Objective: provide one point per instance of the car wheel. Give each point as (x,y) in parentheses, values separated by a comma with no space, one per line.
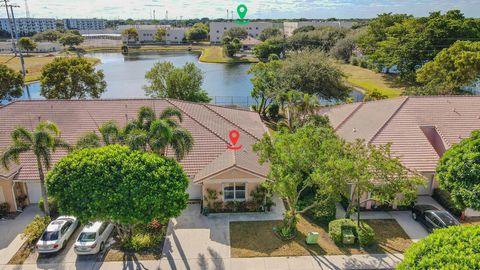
(64,244)
(414,216)
(102,246)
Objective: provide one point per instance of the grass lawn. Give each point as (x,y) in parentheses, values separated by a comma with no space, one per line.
(256,239)
(214,54)
(369,80)
(33,64)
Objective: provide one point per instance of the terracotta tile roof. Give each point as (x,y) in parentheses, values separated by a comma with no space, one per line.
(400,121)
(208,124)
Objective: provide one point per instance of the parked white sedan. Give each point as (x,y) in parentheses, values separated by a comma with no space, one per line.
(93,237)
(56,236)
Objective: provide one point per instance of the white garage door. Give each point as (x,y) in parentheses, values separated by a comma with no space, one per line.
(195,191)
(34,192)
(2,197)
(425,189)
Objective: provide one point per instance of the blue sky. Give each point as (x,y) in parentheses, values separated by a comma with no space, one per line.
(111,9)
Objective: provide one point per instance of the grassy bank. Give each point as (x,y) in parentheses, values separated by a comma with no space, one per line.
(35,63)
(209,54)
(215,54)
(369,80)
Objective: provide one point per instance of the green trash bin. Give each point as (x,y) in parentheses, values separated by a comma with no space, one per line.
(348,237)
(312,238)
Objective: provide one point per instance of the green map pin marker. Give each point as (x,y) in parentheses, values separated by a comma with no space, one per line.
(242,11)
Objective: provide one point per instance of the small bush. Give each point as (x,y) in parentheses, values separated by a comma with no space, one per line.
(443,197)
(34,230)
(354,61)
(365,234)
(335,228)
(4,208)
(53,206)
(142,241)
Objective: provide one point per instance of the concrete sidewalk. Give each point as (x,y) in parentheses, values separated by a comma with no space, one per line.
(377,261)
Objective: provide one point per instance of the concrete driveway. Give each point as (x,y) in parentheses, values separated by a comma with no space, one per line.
(10,230)
(194,241)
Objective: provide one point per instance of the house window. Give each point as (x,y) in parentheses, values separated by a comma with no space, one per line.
(234,191)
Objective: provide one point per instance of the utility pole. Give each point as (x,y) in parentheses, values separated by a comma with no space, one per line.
(14,46)
(27,11)
(15,40)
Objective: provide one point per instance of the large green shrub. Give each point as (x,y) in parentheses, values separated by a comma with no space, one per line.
(34,230)
(456,247)
(145,237)
(335,228)
(52,204)
(118,184)
(365,234)
(444,198)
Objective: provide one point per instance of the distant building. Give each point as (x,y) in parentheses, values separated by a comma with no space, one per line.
(249,42)
(146,33)
(254,29)
(289,27)
(84,24)
(29,26)
(42,47)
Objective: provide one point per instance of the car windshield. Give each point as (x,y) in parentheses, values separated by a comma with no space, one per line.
(87,237)
(447,218)
(49,236)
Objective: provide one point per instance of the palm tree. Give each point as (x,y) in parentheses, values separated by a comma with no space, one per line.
(44,140)
(149,133)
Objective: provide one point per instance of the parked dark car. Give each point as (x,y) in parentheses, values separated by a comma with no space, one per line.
(432,218)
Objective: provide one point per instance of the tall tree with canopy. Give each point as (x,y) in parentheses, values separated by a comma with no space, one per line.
(11,83)
(312,72)
(71,77)
(42,141)
(266,84)
(118,184)
(184,83)
(296,162)
(458,171)
(452,68)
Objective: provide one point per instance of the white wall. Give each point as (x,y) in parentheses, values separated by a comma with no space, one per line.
(253,28)
(34,192)
(195,191)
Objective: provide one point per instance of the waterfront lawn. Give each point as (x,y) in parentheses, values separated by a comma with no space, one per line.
(256,239)
(369,80)
(215,54)
(33,63)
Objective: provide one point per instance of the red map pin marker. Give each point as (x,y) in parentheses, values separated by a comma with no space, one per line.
(234,135)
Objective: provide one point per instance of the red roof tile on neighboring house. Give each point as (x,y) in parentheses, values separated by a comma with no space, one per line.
(208,124)
(400,122)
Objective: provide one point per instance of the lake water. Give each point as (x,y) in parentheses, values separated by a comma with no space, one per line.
(227,84)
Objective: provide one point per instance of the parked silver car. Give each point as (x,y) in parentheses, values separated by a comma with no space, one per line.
(93,237)
(56,236)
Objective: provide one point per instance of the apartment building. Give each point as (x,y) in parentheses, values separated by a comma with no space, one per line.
(289,27)
(253,28)
(29,26)
(84,24)
(146,33)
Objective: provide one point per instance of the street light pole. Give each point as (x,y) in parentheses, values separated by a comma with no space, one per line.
(14,30)
(11,28)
